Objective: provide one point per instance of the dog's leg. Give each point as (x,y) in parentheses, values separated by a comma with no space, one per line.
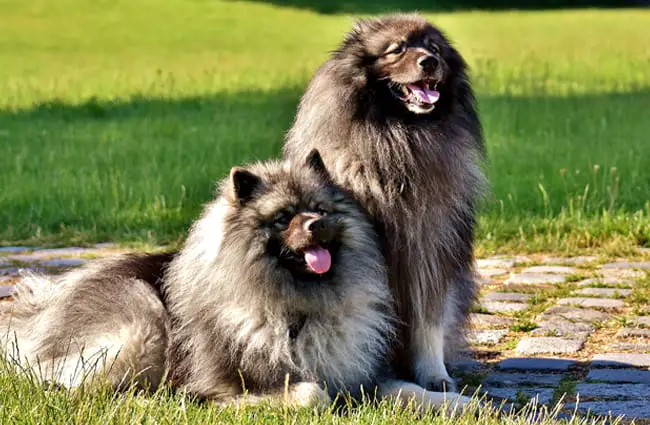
(403,392)
(429,366)
(435,343)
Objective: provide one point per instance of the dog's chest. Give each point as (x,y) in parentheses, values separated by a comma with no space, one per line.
(342,349)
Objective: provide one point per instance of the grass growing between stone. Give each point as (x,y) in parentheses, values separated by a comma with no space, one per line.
(117,118)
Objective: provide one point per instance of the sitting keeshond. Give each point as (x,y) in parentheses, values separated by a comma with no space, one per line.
(393,115)
(280,293)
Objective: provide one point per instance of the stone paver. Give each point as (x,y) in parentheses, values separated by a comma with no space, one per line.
(628,346)
(549,345)
(622,273)
(633,333)
(605,281)
(604,303)
(584,259)
(605,292)
(549,270)
(14,249)
(64,252)
(26,258)
(496,263)
(106,245)
(525,379)
(543,395)
(632,376)
(574,314)
(536,364)
(487,337)
(561,327)
(64,262)
(534,279)
(10,271)
(629,409)
(642,321)
(465,366)
(643,265)
(503,307)
(613,391)
(488,273)
(489,321)
(6,291)
(58,253)
(508,296)
(612,360)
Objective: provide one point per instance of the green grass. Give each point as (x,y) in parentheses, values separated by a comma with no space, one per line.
(116,118)
(22,401)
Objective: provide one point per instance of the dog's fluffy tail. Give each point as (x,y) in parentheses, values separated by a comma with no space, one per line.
(32,294)
(107,318)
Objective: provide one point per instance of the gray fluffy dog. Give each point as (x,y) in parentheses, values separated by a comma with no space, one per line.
(393,115)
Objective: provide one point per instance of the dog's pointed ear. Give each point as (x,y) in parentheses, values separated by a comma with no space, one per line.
(243,184)
(315,162)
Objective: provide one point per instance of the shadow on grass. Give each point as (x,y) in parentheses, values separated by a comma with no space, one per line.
(383,6)
(141,169)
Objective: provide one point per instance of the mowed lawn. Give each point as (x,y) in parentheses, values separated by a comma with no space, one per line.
(117,118)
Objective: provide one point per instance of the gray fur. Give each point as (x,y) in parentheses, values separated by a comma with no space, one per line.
(232,304)
(418,175)
(104,317)
(219,314)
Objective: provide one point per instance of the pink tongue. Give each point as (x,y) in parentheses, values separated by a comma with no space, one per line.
(424,95)
(318,260)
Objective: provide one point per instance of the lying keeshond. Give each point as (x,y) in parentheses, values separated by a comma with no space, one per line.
(393,115)
(279,294)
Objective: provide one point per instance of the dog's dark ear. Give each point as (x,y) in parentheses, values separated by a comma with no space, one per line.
(315,162)
(243,184)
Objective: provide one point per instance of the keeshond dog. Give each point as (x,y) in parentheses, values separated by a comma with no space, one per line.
(393,115)
(279,294)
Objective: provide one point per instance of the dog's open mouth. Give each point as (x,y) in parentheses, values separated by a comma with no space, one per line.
(419,97)
(318,259)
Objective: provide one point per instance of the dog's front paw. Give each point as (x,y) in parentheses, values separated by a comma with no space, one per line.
(443,383)
(308,394)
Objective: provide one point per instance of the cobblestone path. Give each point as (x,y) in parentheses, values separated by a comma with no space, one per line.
(575,329)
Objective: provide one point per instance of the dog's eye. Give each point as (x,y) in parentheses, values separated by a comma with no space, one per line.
(282,219)
(396,49)
(434,48)
(322,211)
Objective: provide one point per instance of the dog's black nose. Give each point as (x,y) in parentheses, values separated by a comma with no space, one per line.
(322,230)
(428,63)
(316,225)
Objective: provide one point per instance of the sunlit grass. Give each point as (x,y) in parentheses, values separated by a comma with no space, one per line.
(24,401)
(117,118)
